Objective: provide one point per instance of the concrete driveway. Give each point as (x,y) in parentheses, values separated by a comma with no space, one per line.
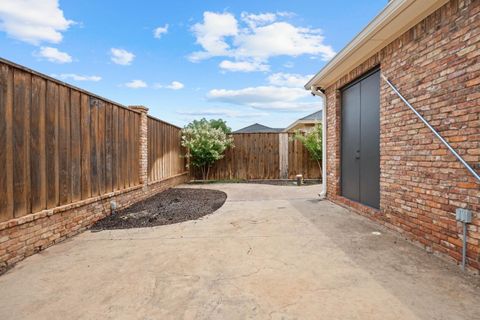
(269,253)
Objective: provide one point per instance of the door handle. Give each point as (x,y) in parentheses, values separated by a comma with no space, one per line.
(357,154)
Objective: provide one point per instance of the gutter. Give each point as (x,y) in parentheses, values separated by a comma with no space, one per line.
(396,18)
(319,93)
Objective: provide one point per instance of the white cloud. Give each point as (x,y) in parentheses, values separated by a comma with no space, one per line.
(282,38)
(287,106)
(121,56)
(211,34)
(76,77)
(289,79)
(253,20)
(158,32)
(54,55)
(136,84)
(257,94)
(33,21)
(261,37)
(265,98)
(244,66)
(174,85)
(219,112)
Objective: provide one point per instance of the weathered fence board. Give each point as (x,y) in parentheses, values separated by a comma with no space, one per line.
(300,162)
(263,156)
(283,155)
(86,185)
(37,130)
(51,140)
(64,145)
(165,153)
(6,141)
(60,144)
(21,124)
(255,156)
(75,134)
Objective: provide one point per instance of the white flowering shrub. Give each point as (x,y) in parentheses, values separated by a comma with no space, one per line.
(206,141)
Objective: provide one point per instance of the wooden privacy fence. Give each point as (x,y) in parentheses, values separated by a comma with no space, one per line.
(60,144)
(300,162)
(165,153)
(263,156)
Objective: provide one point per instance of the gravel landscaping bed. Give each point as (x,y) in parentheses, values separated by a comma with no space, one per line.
(171,206)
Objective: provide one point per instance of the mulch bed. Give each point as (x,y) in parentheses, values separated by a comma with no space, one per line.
(168,207)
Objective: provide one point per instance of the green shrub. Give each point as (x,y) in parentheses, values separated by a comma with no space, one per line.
(312,141)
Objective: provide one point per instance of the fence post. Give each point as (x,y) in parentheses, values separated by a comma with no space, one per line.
(143,144)
(283,155)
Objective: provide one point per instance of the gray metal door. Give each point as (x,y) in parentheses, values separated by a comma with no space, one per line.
(360,157)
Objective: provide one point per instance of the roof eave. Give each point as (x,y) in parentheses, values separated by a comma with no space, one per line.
(293,125)
(396,18)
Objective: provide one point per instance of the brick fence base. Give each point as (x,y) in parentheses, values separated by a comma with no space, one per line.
(22,237)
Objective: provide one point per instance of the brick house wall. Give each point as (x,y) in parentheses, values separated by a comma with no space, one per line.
(436,66)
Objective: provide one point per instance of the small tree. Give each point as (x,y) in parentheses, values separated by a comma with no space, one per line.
(206,141)
(312,141)
(220,124)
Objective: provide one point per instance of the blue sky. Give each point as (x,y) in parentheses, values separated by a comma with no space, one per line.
(243,61)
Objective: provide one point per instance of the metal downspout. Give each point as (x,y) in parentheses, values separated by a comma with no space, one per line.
(315,92)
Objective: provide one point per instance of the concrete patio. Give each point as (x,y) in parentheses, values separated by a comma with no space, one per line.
(270,252)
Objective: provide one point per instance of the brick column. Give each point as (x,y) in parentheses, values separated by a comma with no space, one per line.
(143,144)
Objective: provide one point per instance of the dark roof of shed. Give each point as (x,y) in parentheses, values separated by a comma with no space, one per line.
(258,128)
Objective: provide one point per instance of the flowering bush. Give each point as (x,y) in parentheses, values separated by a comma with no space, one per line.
(206,141)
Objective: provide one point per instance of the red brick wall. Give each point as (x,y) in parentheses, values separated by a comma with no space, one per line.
(436,66)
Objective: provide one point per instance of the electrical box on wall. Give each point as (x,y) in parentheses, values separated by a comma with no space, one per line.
(463,215)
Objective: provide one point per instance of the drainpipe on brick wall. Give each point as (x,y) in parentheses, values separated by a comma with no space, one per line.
(320,94)
(143,144)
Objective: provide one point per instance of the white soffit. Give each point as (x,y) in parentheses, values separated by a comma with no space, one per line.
(394,20)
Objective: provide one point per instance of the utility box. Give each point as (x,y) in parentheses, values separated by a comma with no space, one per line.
(463,215)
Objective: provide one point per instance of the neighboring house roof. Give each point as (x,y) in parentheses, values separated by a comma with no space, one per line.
(258,128)
(316,116)
(313,118)
(395,19)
